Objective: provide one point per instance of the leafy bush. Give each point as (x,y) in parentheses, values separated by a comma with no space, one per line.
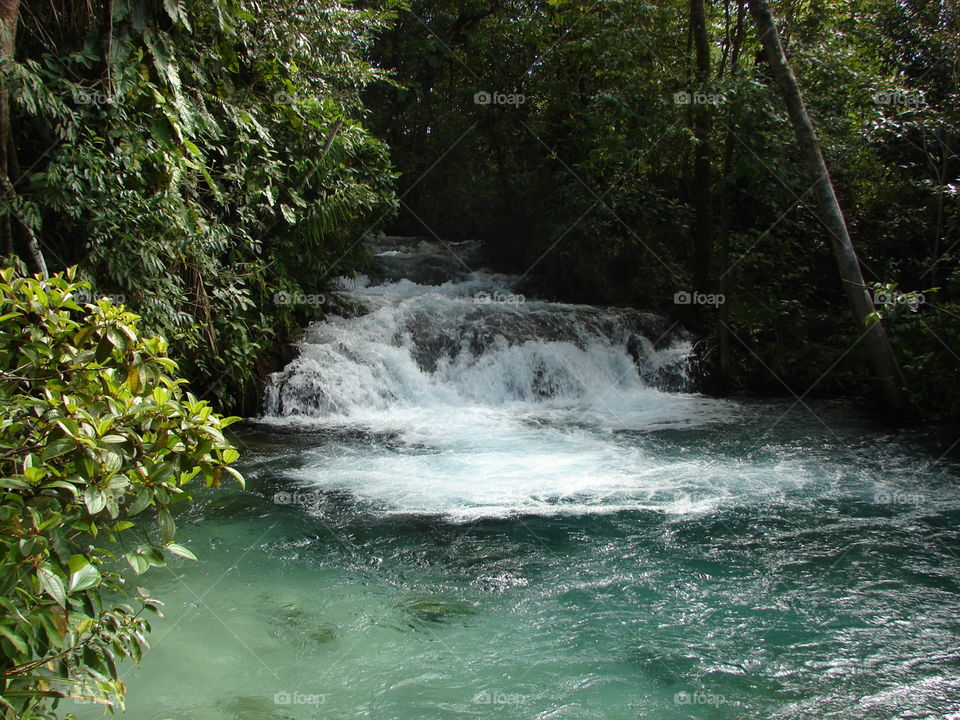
(95,430)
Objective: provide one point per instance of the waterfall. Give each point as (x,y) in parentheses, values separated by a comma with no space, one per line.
(455,337)
(452,393)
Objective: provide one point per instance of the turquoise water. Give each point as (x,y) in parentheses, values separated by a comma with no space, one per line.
(464,503)
(763,563)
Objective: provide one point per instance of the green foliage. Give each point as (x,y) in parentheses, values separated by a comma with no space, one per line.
(98,443)
(195,158)
(589,183)
(925,330)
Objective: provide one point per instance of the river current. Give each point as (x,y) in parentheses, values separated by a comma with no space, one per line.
(464,502)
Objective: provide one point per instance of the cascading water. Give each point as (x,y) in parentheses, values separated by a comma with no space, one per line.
(476,342)
(461,505)
(514,397)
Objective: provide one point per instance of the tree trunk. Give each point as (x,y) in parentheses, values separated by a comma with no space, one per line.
(9,17)
(702,156)
(9,14)
(878,346)
(33,244)
(724,346)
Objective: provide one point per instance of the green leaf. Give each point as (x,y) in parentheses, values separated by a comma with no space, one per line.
(95,499)
(180,550)
(52,585)
(35,474)
(194,150)
(117,339)
(162,472)
(140,502)
(14,484)
(62,485)
(14,639)
(83,575)
(34,545)
(153,555)
(104,348)
(236,476)
(167,526)
(138,562)
(58,448)
(133,379)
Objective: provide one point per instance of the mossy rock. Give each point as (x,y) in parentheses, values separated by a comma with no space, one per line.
(254,707)
(437,610)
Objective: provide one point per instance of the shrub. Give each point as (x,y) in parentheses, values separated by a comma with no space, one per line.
(95,430)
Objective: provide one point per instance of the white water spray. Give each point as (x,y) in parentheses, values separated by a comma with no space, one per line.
(499,404)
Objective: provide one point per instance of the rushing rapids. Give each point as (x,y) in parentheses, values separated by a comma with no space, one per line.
(467,504)
(511,399)
(472,339)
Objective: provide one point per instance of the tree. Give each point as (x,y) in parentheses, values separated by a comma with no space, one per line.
(881,353)
(199,158)
(95,431)
(703,155)
(9,19)
(734,33)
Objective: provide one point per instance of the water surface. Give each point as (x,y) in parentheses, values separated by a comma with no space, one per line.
(466,506)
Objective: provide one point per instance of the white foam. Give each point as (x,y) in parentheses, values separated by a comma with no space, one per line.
(497,409)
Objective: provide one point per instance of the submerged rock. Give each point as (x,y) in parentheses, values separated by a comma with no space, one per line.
(295,626)
(253,707)
(435,610)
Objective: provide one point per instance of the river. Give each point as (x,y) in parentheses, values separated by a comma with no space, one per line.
(467,503)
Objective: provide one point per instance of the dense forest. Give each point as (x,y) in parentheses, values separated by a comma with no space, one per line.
(201,161)
(196,160)
(184,181)
(653,155)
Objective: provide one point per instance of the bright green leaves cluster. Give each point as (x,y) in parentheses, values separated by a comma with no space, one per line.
(96,435)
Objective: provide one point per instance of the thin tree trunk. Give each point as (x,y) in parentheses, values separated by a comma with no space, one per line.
(33,244)
(878,346)
(938,222)
(9,17)
(724,346)
(702,156)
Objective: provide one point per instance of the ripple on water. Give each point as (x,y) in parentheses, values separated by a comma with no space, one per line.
(748,572)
